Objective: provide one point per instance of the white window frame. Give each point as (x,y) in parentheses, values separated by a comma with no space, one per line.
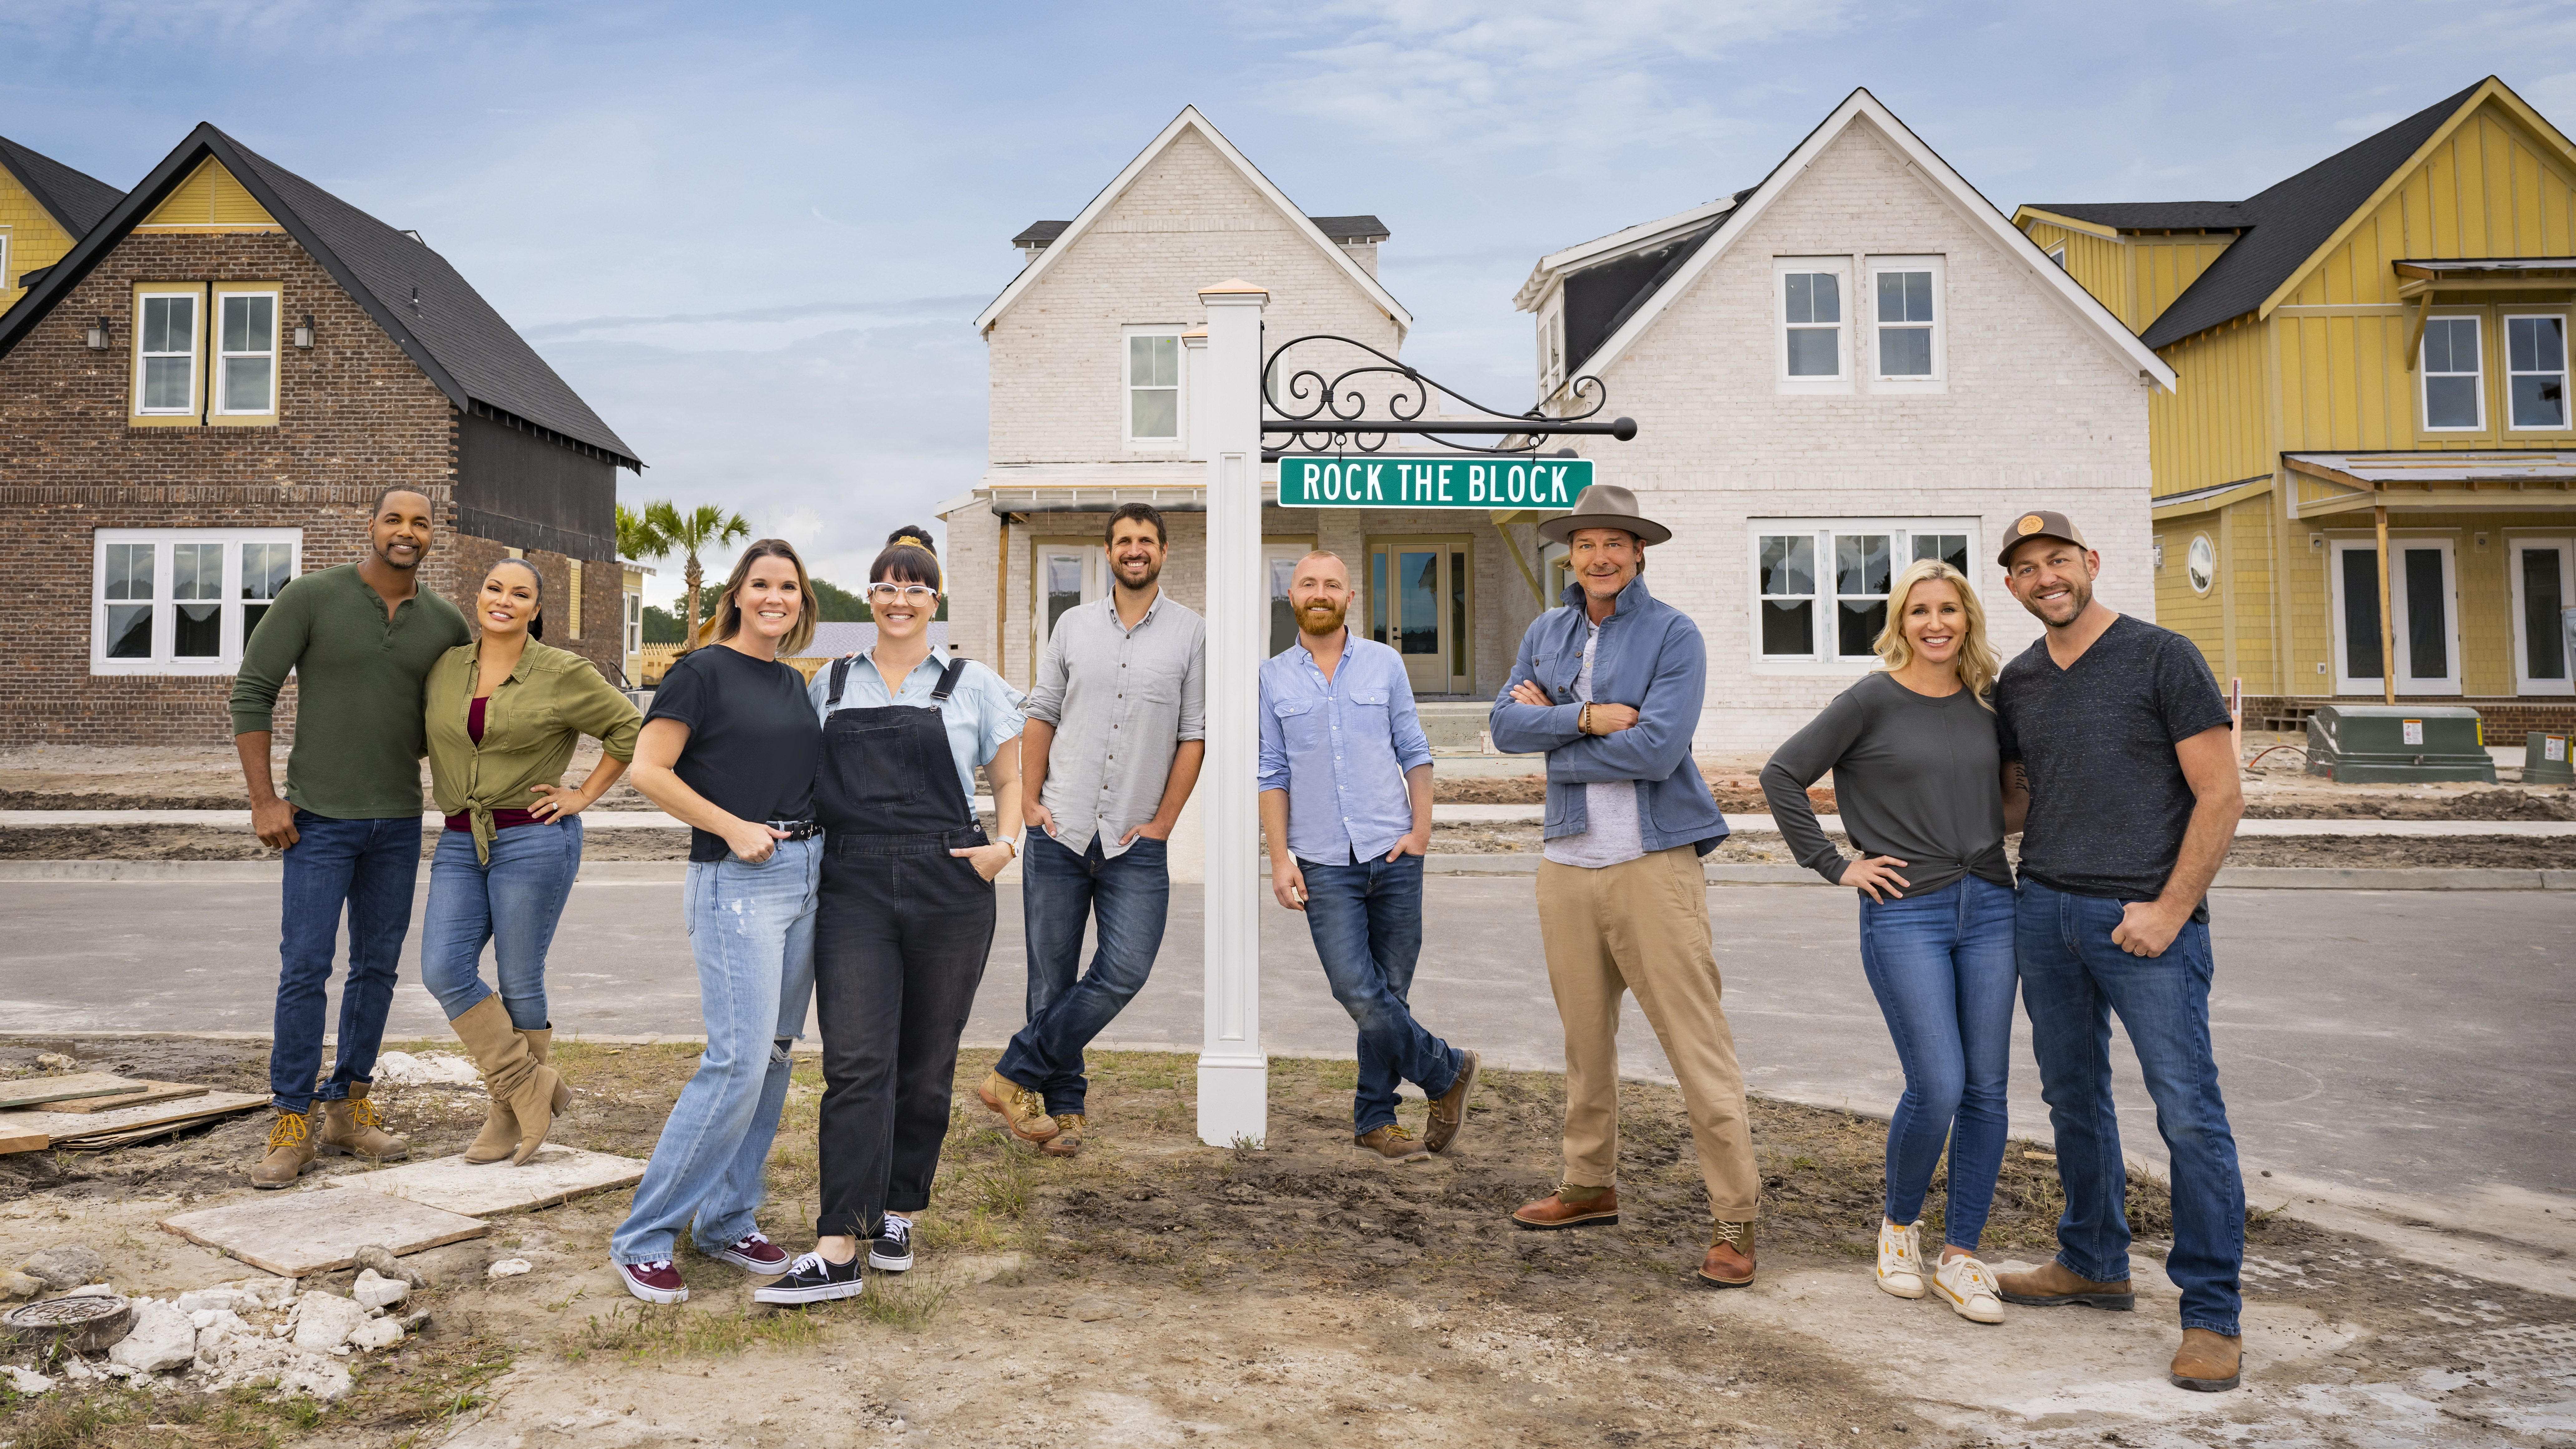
(2339,543)
(1938,379)
(217,378)
(2424,374)
(2057,254)
(1824,658)
(196,354)
(1840,268)
(1179,441)
(2515,541)
(634,625)
(2566,401)
(7,282)
(227,658)
(1094,556)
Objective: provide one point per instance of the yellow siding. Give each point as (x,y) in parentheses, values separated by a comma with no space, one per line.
(2246,575)
(2162,266)
(210,198)
(35,240)
(2194,616)
(2485,625)
(2215,426)
(2098,264)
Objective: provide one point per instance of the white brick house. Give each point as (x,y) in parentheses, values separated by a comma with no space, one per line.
(1855,363)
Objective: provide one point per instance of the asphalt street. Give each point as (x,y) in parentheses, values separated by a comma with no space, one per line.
(2406,1041)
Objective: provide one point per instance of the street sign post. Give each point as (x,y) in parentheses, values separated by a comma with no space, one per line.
(1323,480)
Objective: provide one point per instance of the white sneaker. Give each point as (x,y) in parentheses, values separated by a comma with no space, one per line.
(1900,1259)
(1966,1286)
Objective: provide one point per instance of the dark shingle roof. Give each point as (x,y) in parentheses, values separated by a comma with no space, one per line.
(1339,228)
(424,304)
(75,199)
(2152,215)
(2288,221)
(1039,233)
(1595,308)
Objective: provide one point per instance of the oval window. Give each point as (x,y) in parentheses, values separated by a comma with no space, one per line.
(2202,563)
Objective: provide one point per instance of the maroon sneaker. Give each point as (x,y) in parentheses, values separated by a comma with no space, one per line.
(755,1254)
(653,1282)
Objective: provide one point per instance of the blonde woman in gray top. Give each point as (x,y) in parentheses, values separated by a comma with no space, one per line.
(1917,776)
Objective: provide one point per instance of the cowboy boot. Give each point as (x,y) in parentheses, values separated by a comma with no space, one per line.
(520,1085)
(541,1044)
(352,1128)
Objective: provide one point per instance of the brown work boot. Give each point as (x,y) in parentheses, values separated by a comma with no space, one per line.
(1394,1143)
(2054,1285)
(1022,1110)
(1450,1112)
(1570,1206)
(2208,1362)
(1729,1263)
(1070,1130)
(352,1128)
(290,1151)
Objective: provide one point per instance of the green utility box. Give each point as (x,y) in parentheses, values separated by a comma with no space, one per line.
(2550,759)
(2398,743)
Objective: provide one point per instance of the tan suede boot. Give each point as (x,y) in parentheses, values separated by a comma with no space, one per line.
(519,1083)
(290,1151)
(499,1138)
(352,1128)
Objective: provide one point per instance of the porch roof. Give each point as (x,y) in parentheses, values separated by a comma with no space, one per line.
(2482,479)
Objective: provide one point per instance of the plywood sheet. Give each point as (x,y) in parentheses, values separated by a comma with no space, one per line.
(36,1091)
(319,1229)
(151,1092)
(555,1174)
(59,1125)
(19,1139)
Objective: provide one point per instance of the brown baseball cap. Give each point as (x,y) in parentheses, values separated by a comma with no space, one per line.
(2039,523)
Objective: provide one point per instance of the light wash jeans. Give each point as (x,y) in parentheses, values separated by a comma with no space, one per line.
(514,901)
(751,928)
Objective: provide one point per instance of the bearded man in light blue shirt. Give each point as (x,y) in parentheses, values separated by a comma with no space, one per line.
(1346,805)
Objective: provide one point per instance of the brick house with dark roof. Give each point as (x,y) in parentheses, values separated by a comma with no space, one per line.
(200,400)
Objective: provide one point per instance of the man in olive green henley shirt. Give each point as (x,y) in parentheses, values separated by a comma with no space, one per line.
(360,639)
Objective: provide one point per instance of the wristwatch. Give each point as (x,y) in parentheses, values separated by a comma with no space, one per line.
(1013,842)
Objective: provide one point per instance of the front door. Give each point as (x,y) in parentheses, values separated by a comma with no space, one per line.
(1418,606)
(2544,591)
(2423,615)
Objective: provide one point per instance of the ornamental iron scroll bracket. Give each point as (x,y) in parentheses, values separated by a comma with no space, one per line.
(1359,408)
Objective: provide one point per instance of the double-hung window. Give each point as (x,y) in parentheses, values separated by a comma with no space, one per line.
(183,600)
(1154,387)
(2535,371)
(1821,585)
(1815,343)
(2454,391)
(1905,296)
(245,352)
(165,343)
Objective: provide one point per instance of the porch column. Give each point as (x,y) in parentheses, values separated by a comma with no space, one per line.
(2387,613)
(1234,1075)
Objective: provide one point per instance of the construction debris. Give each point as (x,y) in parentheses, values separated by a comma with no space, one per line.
(34,1091)
(156,1109)
(555,1174)
(65,1265)
(297,1234)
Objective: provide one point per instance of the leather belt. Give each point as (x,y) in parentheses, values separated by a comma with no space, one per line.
(797,829)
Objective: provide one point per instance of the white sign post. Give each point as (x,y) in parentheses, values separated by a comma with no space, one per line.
(1234,1075)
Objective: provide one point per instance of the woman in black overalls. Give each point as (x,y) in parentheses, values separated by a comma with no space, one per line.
(905,917)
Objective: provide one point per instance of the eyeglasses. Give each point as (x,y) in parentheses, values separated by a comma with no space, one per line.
(915,594)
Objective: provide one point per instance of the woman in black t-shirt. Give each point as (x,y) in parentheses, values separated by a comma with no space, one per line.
(730,748)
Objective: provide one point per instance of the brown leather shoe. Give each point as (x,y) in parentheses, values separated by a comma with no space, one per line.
(1071,1128)
(1395,1144)
(1570,1206)
(2208,1362)
(1022,1109)
(290,1151)
(1729,1263)
(353,1128)
(1450,1112)
(2054,1285)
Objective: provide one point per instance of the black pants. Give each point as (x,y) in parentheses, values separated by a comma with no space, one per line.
(900,941)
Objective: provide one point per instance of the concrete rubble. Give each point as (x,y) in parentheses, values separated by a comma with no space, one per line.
(251,1332)
(162,1338)
(65,1265)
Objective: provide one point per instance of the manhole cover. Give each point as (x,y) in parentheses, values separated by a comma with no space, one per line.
(89,1322)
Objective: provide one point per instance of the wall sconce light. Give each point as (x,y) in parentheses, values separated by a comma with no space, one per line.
(304,332)
(96,337)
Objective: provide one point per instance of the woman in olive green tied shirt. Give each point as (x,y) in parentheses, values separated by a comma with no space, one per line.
(504,715)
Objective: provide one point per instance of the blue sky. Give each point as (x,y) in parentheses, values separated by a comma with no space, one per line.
(753,237)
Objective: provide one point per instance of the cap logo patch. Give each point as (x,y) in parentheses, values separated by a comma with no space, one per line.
(2032,523)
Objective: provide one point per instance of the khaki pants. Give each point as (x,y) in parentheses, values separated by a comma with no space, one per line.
(1642,926)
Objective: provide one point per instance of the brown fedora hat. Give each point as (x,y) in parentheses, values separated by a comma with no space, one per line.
(1605,505)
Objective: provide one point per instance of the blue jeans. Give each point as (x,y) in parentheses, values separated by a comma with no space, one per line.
(1059,892)
(1941,966)
(1366,918)
(751,928)
(2072,979)
(513,901)
(370,867)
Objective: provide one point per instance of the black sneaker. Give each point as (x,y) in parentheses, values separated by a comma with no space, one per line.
(810,1279)
(892,1250)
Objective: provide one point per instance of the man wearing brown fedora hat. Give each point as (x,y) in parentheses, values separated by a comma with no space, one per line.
(1609,685)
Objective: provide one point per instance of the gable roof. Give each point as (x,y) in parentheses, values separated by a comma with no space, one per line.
(1190,120)
(1342,229)
(1862,108)
(76,200)
(1623,242)
(2149,215)
(430,311)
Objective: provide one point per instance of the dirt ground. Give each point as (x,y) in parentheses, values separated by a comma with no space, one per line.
(1158,1291)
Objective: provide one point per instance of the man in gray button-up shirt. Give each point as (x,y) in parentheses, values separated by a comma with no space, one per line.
(1117,728)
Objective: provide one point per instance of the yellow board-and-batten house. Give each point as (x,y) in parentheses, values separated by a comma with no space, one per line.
(2372,352)
(45,206)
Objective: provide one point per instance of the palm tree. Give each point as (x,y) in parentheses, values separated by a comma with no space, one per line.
(637,538)
(703,527)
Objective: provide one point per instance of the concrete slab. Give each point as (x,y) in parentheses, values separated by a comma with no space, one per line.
(59,1125)
(293,1234)
(555,1174)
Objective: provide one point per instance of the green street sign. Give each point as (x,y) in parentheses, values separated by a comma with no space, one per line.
(1309,480)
